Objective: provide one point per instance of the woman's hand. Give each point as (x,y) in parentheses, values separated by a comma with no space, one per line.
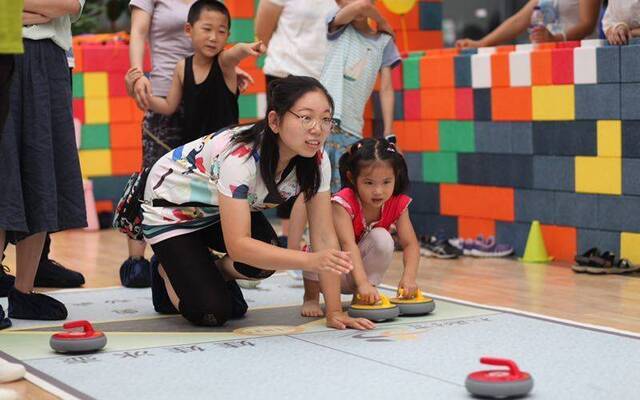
(619,35)
(340,320)
(468,44)
(244,79)
(142,92)
(540,34)
(408,286)
(334,261)
(368,293)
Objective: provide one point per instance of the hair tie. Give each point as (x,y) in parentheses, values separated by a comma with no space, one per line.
(392,147)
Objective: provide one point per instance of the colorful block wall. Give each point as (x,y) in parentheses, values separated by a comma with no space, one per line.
(111,146)
(498,137)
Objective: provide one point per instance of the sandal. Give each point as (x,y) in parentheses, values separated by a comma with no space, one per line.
(622,266)
(598,264)
(582,260)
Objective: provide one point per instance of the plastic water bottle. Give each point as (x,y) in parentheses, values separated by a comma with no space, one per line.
(537,19)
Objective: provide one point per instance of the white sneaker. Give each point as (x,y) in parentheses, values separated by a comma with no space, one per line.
(10,372)
(295,274)
(247,284)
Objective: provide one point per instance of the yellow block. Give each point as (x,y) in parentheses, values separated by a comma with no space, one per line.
(630,246)
(96,84)
(599,175)
(95,162)
(609,138)
(553,103)
(96,110)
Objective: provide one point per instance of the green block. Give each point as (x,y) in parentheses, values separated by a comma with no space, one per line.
(242,30)
(440,167)
(411,73)
(78,86)
(95,137)
(457,136)
(248,106)
(260,61)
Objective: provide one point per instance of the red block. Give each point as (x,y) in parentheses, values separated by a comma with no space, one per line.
(78,109)
(412,110)
(560,241)
(562,66)
(111,57)
(396,78)
(117,86)
(477,201)
(464,103)
(104,206)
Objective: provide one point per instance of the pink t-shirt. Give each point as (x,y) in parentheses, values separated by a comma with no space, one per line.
(392,209)
(169,43)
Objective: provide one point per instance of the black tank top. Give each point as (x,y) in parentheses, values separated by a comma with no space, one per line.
(208,106)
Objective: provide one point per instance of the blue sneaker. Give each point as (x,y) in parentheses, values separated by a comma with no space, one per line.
(135,273)
(4,322)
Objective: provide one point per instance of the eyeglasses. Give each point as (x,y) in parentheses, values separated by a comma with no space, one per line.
(307,122)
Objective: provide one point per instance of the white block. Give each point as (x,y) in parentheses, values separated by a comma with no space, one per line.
(520,68)
(593,42)
(262,105)
(524,47)
(486,50)
(481,70)
(585,66)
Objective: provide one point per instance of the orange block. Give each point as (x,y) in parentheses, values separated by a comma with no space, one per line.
(477,201)
(511,104)
(125,161)
(121,109)
(411,139)
(541,67)
(78,54)
(472,227)
(259,84)
(500,69)
(368,110)
(104,206)
(126,135)
(240,8)
(246,63)
(546,46)
(398,128)
(431,134)
(560,241)
(421,40)
(367,129)
(505,48)
(437,71)
(438,103)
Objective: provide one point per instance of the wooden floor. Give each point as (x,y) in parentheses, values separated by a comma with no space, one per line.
(553,290)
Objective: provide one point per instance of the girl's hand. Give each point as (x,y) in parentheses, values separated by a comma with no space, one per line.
(540,34)
(619,35)
(368,293)
(340,320)
(244,79)
(384,26)
(408,286)
(334,261)
(468,44)
(142,92)
(133,74)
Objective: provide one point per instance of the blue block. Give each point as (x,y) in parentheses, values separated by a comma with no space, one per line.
(604,240)
(630,101)
(631,176)
(618,213)
(414,166)
(431,16)
(567,138)
(608,64)
(521,137)
(554,173)
(109,187)
(630,64)
(514,234)
(579,210)
(631,139)
(493,137)
(469,52)
(398,108)
(535,204)
(441,225)
(496,170)
(600,101)
(482,104)
(426,197)
(462,70)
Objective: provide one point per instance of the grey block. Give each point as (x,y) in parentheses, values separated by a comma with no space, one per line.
(521,137)
(514,234)
(414,166)
(579,210)
(630,63)
(554,173)
(398,109)
(608,64)
(619,213)
(109,187)
(377,106)
(600,101)
(426,197)
(493,137)
(441,225)
(630,101)
(482,104)
(535,205)
(631,139)
(570,138)
(496,170)
(631,176)
(462,65)
(603,240)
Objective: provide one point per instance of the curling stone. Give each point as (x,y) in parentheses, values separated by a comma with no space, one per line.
(381,311)
(416,305)
(499,383)
(84,341)
(10,372)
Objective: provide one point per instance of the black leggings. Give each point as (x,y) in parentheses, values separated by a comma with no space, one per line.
(205,297)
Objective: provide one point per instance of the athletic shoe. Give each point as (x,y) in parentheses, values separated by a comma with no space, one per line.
(135,273)
(438,248)
(295,274)
(36,306)
(248,283)
(6,281)
(4,322)
(52,274)
(159,296)
(490,248)
(464,245)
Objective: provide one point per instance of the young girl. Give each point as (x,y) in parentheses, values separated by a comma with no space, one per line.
(374,176)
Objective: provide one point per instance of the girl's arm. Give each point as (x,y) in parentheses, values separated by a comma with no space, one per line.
(356,9)
(139,89)
(267,19)
(323,237)
(52,8)
(387,99)
(169,105)
(410,252)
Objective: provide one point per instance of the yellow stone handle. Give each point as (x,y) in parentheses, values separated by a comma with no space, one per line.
(384,300)
(418,295)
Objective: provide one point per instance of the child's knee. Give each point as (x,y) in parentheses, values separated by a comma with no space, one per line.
(382,242)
